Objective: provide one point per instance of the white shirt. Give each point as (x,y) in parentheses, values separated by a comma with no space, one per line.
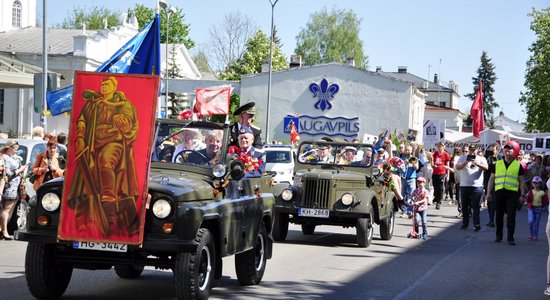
(471,175)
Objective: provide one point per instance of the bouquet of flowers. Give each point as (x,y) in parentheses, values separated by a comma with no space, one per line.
(250,163)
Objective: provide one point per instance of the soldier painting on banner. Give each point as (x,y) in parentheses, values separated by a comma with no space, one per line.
(111,131)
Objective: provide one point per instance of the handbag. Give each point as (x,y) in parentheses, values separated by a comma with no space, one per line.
(33,177)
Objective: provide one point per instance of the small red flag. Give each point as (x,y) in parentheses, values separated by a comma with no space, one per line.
(476,112)
(212,101)
(294,136)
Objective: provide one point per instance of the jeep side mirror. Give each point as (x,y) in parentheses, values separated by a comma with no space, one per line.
(236,169)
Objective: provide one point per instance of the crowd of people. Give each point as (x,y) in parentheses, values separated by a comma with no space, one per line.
(14,174)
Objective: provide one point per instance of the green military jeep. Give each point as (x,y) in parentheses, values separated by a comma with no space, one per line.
(201,209)
(336,184)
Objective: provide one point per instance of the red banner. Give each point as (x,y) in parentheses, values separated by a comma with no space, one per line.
(476,112)
(212,101)
(110,139)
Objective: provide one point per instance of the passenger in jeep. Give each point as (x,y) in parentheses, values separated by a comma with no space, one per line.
(210,154)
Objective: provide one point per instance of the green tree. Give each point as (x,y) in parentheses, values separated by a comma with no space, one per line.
(201,61)
(485,73)
(536,98)
(331,37)
(257,50)
(93,18)
(179,31)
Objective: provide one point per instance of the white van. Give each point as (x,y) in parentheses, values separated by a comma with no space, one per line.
(280,159)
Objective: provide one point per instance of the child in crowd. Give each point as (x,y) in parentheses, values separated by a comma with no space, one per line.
(536,199)
(420,198)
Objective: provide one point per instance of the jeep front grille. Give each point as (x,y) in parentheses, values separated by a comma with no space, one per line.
(316,193)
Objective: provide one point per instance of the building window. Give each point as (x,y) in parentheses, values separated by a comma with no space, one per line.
(443,104)
(1,106)
(16,14)
(430,102)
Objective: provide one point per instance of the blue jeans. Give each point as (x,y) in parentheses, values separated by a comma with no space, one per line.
(471,198)
(533,215)
(421,220)
(407,187)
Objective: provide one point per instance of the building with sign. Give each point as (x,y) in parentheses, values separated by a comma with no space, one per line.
(336,100)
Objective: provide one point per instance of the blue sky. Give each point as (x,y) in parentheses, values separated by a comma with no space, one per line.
(427,36)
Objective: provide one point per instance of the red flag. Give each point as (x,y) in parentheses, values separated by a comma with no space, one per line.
(212,101)
(476,112)
(294,136)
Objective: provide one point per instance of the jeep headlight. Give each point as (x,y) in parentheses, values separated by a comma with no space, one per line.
(347,199)
(287,194)
(50,202)
(218,170)
(162,208)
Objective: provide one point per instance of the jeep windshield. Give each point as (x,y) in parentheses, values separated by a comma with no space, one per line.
(334,153)
(188,143)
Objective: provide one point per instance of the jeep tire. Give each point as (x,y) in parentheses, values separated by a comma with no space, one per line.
(250,265)
(194,272)
(128,271)
(280,227)
(364,230)
(46,277)
(308,228)
(387,226)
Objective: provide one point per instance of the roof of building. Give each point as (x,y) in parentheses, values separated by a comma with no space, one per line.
(504,123)
(440,108)
(29,40)
(419,82)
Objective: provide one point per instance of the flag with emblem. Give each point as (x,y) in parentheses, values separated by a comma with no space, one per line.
(140,55)
(212,101)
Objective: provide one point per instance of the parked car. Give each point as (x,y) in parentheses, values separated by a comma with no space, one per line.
(332,187)
(199,211)
(280,160)
(28,150)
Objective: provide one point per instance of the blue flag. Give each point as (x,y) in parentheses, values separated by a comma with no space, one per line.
(140,55)
(380,143)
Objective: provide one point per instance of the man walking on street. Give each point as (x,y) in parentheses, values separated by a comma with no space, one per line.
(471,168)
(440,167)
(507,177)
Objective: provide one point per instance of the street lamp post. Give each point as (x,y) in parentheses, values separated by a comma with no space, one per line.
(272,2)
(169,10)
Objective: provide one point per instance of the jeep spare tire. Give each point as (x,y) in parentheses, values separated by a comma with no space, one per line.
(280,227)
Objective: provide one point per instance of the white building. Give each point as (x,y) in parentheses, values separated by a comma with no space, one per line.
(351,103)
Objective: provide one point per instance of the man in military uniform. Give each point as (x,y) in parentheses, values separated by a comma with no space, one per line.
(246,143)
(246,118)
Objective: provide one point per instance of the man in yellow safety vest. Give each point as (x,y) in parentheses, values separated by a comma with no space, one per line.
(507,177)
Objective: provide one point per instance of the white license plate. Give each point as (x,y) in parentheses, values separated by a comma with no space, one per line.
(101,246)
(313,212)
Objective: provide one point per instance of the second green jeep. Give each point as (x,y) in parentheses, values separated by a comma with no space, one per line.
(336,184)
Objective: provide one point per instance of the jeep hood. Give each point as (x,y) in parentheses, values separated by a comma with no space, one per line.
(181,185)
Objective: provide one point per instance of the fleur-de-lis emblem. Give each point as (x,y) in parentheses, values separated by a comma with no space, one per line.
(324,94)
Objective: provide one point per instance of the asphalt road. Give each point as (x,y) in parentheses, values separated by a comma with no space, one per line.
(450,264)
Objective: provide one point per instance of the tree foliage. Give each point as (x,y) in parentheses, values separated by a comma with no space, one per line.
(201,61)
(485,73)
(178,30)
(177,101)
(536,98)
(93,18)
(257,50)
(331,37)
(227,40)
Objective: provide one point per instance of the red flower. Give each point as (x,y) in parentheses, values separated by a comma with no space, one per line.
(186,114)
(234,150)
